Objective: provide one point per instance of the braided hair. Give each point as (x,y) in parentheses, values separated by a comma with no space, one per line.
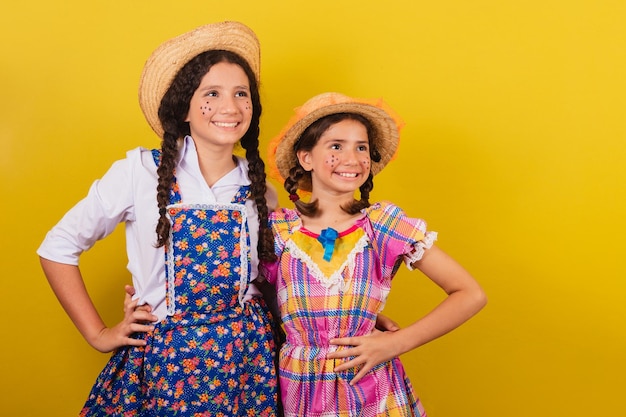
(173,111)
(307,141)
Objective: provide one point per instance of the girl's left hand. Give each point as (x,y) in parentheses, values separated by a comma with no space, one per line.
(367,351)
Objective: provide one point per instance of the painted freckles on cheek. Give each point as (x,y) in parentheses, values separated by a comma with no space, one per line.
(331,161)
(248,106)
(205,109)
(366,163)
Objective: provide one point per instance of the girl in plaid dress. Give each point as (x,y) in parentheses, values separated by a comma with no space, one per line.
(196,225)
(336,260)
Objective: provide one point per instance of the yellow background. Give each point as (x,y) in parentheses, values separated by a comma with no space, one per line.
(514,150)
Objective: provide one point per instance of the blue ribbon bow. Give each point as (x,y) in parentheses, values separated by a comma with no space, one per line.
(327,239)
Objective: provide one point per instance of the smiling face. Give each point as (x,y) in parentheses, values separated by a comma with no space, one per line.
(340,160)
(220,109)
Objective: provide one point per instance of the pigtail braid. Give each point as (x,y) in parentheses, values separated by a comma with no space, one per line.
(366,189)
(165,171)
(258,189)
(296,173)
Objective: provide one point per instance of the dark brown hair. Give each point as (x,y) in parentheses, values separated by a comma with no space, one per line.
(172,114)
(307,141)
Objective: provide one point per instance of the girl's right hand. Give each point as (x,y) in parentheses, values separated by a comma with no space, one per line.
(137,319)
(130,305)
(385,324)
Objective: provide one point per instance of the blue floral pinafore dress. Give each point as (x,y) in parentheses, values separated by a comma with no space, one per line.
(213,355)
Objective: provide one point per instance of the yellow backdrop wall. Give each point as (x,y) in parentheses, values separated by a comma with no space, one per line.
(514,151)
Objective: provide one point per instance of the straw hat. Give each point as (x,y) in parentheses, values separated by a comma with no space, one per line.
(165,62)
(384,120)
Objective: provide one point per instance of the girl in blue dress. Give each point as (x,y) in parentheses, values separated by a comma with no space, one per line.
(196,226)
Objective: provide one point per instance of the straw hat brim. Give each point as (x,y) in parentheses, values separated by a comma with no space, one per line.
(384,121)
(165,62)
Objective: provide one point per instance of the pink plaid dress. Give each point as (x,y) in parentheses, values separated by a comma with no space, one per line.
(320,300)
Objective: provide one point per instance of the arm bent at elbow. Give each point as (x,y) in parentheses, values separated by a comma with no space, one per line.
(465,299)
(67,284)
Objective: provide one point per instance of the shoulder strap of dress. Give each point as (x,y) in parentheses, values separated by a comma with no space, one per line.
(156,155)
(242,195)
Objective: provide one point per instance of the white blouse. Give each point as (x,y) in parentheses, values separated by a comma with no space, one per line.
(127,193)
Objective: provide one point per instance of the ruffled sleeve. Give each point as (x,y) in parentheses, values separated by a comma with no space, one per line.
(283,223)
(397,237)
